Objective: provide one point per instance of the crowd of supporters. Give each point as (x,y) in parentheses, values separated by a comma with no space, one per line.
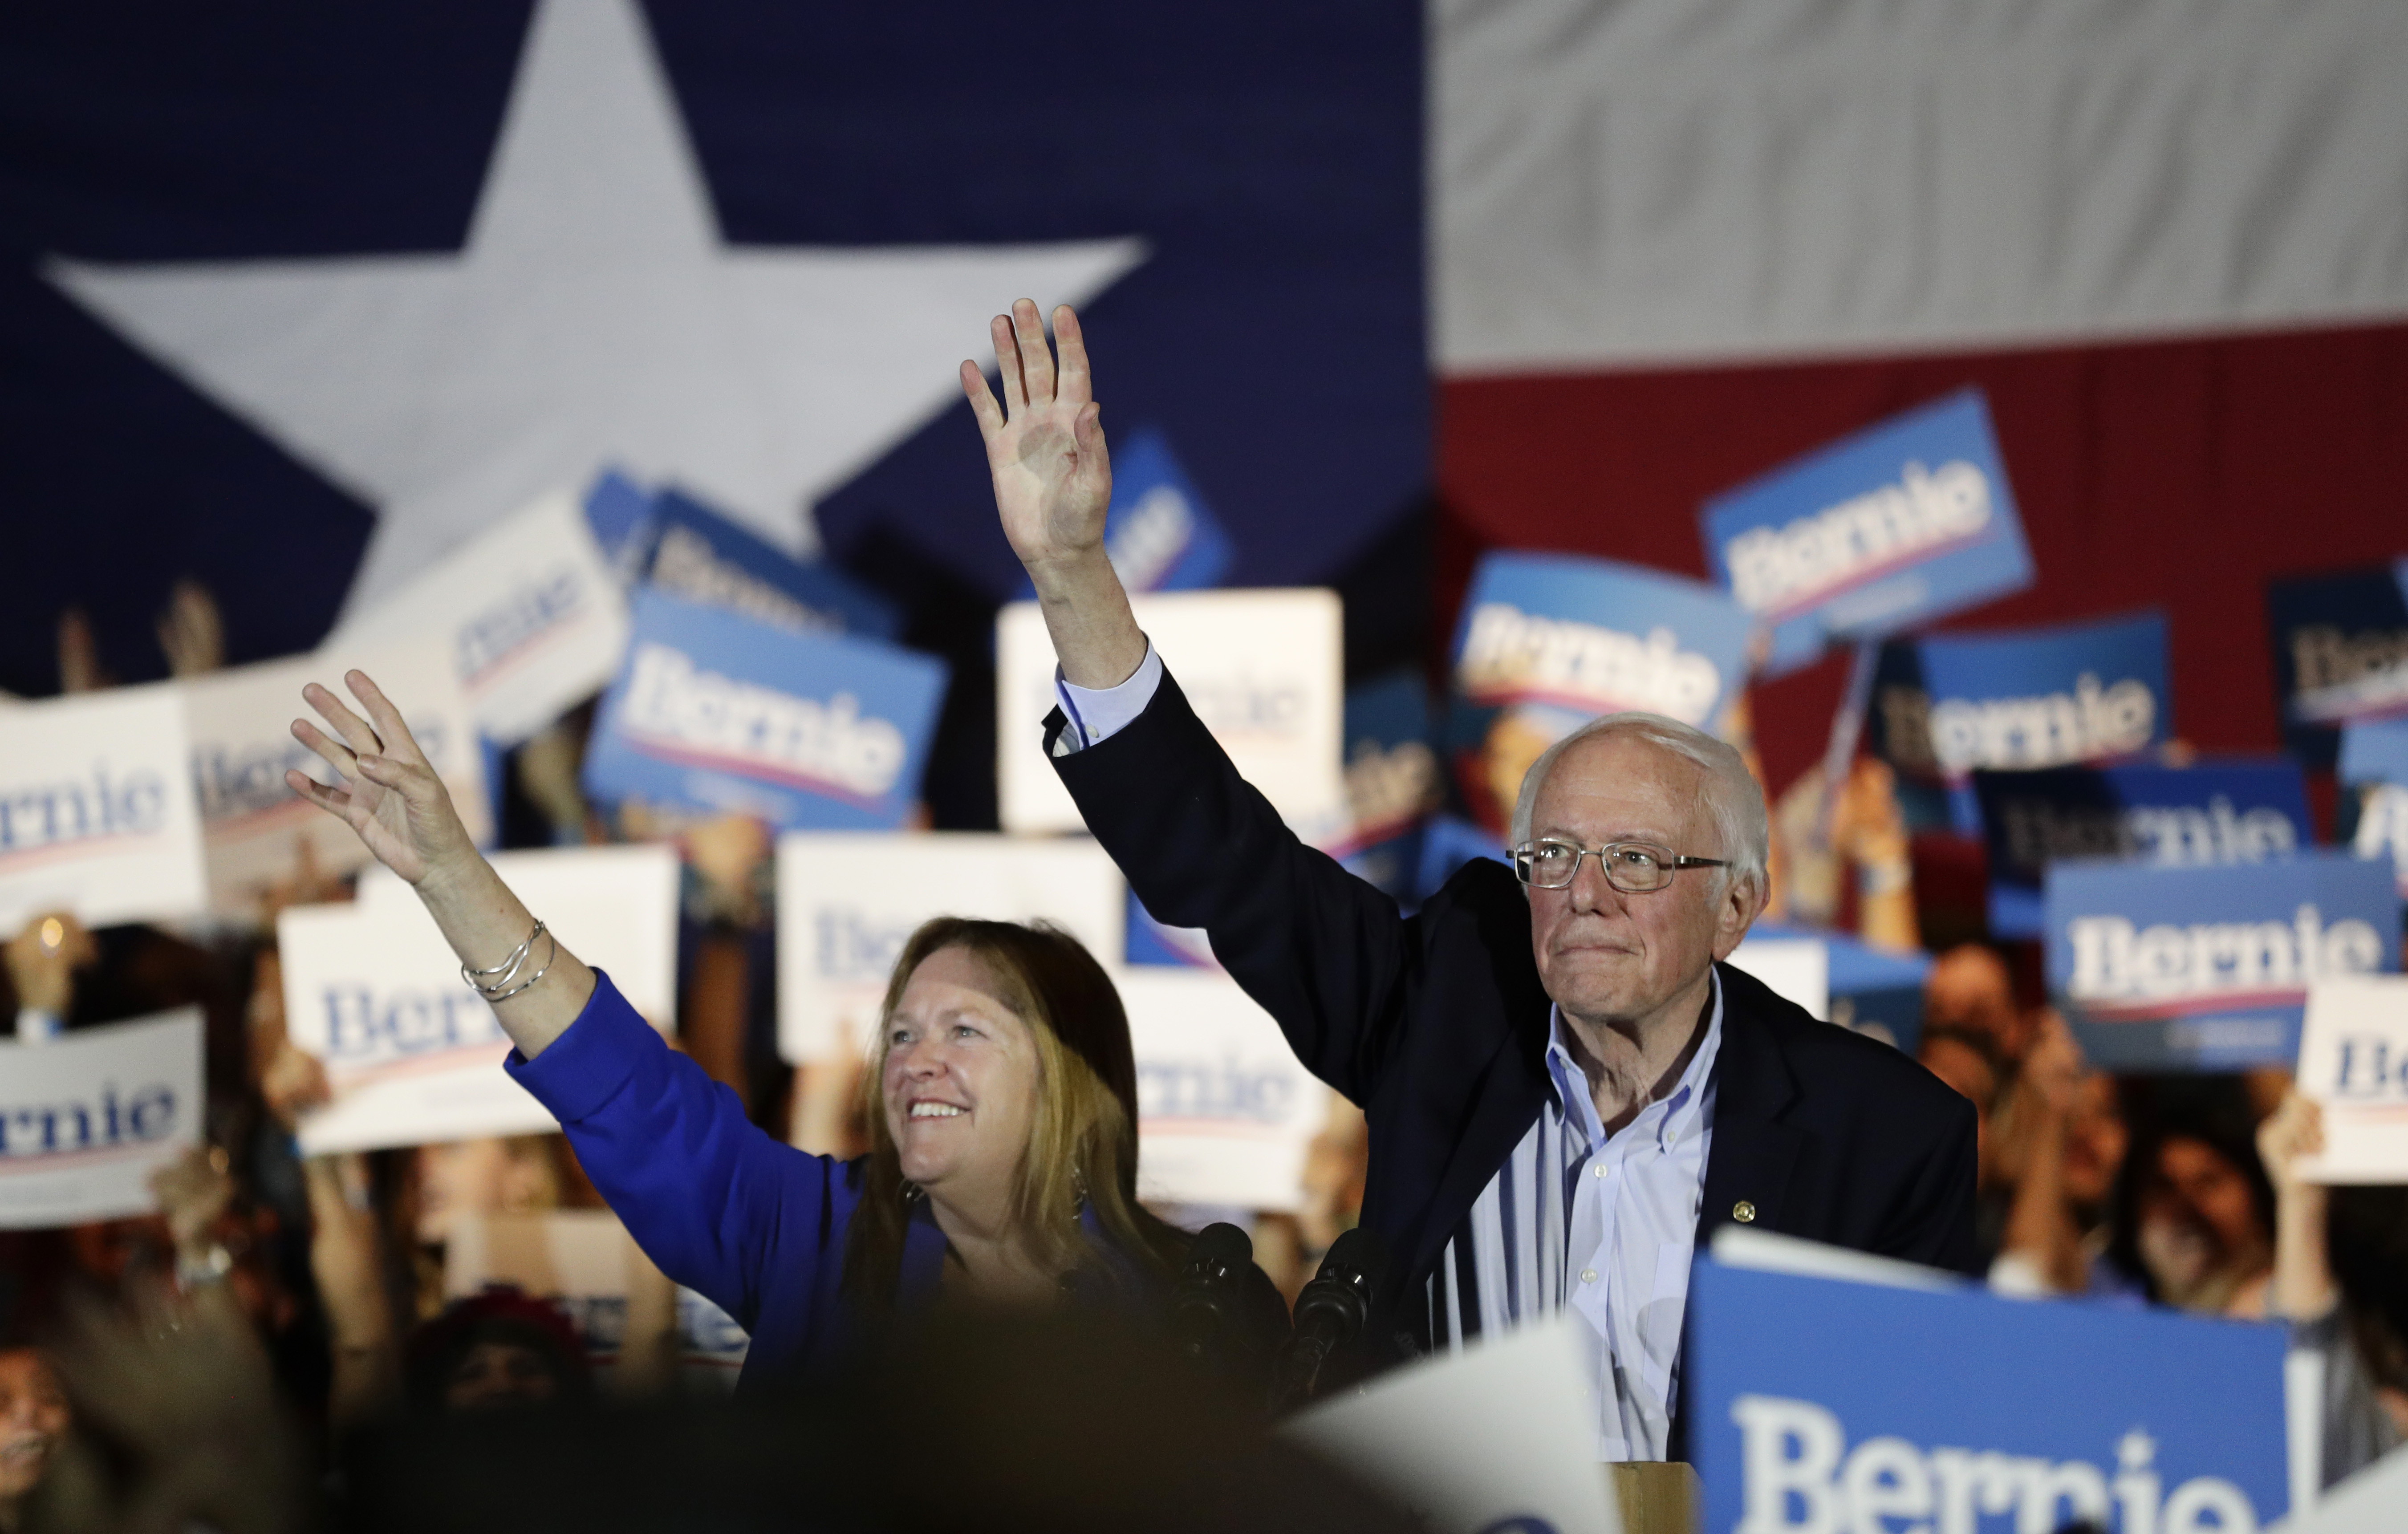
(211,1358)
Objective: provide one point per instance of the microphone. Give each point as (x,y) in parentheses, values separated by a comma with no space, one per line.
(1330,1313)
(1206,1300)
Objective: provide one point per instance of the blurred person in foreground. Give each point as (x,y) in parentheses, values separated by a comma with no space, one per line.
(1004,1173)
(175,1423)
(1050,1421)
(2341,1280)
(1562,1031)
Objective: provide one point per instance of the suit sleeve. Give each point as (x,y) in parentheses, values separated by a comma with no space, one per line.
(1325,954)
(1932,1221)
(702,1189)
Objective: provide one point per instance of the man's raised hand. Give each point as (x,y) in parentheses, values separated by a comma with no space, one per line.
(392,798)
(1045,442)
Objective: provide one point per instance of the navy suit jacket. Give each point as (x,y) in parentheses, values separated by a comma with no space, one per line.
(1437,1025)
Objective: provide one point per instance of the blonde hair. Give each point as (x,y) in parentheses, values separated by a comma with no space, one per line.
(1081,1147)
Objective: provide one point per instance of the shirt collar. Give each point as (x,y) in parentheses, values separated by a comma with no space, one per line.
(1675,1109)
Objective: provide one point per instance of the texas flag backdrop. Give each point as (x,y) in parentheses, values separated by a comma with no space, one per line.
(294,296)
(1671,248)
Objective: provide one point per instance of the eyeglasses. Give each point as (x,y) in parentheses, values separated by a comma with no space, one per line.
(1634,867)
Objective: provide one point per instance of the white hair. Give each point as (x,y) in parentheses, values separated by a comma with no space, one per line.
(1734,800)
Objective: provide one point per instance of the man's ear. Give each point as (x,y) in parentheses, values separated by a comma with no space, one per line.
(1741,903)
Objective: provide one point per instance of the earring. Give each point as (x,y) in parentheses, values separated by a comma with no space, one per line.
(912,1192)
(1077,1186)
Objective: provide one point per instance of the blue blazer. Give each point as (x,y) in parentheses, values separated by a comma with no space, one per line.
(754,1224)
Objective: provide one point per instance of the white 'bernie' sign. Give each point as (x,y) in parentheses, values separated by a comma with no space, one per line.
(412,1055)
(1263,669)
(533,614)
(87,1117)
(96,810)
(848,900)
(240,724)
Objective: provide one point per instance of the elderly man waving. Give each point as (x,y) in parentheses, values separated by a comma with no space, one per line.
(1567,1089)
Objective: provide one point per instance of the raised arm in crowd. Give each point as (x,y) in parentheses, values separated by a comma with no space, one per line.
(1002,1100)
(1563,1030)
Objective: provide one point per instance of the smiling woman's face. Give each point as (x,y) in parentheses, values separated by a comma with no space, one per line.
(960,1081)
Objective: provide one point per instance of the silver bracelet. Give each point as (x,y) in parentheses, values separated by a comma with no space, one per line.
(551,954)
(502,971)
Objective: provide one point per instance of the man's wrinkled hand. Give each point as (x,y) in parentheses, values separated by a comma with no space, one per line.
(1045,442)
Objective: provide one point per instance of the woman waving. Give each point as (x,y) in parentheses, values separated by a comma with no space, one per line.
(1003,1102)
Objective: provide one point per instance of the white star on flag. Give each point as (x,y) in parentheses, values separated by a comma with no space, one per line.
(595,317)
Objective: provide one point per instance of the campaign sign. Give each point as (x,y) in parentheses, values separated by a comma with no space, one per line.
(240,725)
(703,557)
(532,610)
(620,903)
(1593,637)
(847,902)
(1949,705)
(1900,524)
(1840,980)
(1449,843)
(1549,641)
(1393,785)
(1153,942)
(412,1055)
(723,713)
(96,809)
(2375,752)
(1158,532)
(1821,1406)
(2380,831)
(1875,991)
(1392,780)
(2341,652)
(2216,812)
(1226,1113)
(1493,1439)
(711,1343)
(1793,967)
(2354,1062)
(2375,799)
(2207,967)
(1263,669)
(619,514)
(86,1117)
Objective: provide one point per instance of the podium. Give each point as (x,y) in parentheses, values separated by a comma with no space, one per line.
(1655,1497)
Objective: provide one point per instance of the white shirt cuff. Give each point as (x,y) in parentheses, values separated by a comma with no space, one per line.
(1096,714)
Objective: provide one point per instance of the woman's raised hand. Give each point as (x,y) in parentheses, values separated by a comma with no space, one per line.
(1045,444)
(391,796)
